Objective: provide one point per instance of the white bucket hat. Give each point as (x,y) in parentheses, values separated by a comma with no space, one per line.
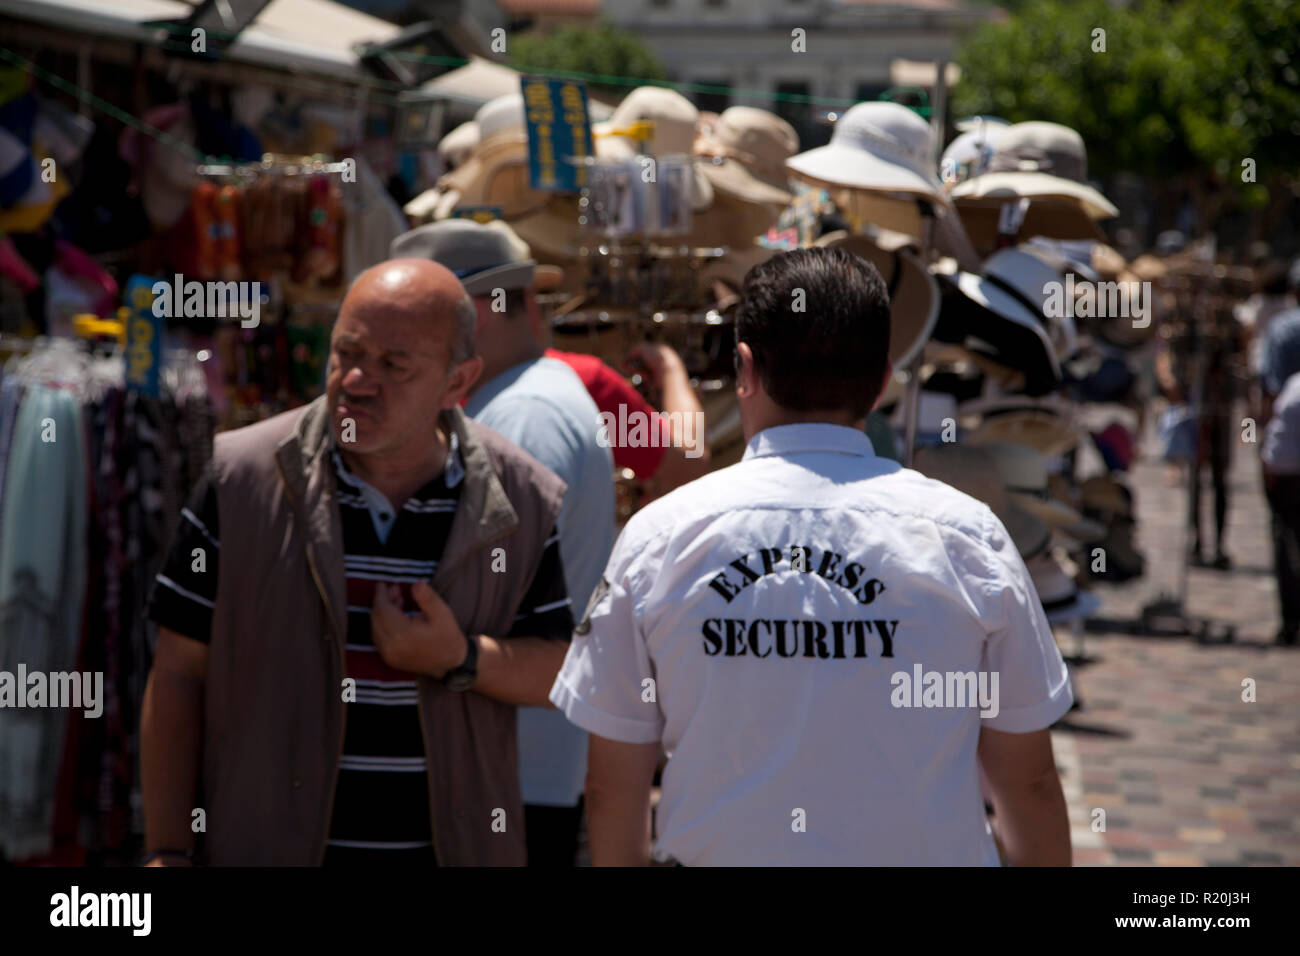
(674,120)
(880,146)
(1039,160)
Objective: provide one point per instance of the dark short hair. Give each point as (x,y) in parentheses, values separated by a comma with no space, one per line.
(832,355)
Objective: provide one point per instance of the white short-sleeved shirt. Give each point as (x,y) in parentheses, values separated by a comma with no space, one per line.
(773,688)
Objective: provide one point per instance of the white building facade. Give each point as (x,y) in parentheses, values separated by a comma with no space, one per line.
(751,47)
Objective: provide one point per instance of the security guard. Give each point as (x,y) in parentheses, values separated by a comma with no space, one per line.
(828,646)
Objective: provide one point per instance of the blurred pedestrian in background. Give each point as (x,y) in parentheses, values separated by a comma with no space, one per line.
(1280,454)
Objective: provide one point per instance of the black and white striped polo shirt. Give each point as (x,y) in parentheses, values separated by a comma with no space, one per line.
(381,804)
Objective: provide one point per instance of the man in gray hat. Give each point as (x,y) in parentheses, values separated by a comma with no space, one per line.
(541,405)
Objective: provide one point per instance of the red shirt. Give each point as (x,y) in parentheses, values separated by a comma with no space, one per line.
(609,390)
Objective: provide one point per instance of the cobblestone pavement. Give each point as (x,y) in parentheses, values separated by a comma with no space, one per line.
(1188,774)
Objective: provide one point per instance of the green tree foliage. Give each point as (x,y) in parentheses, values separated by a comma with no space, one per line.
(1183,85)
(603,49)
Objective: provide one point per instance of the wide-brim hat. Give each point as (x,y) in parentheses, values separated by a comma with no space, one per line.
(1006,332)
(495,174)
(1040,429)
(747,148)
(1050,218)
(495,171)
(972,471)
(1037,159)
(1056,513)
(732,177)
(1027,275)
(552,232)
(997,404)
(879,146)
(913,293)
(896,212)
(673,119)
(1085,530)
(1024,474)
(731,222)
(1013,308)
(1018,185)
(484,257)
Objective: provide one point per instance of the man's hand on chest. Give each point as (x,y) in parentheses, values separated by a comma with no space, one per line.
(429,641)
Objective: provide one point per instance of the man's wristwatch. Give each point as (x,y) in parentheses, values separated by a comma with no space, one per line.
(462,678)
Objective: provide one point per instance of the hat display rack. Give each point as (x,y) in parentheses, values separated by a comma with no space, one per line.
(999,356)
(641,279)
(967,243)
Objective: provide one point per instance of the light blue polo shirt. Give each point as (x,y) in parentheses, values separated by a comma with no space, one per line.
(543,407)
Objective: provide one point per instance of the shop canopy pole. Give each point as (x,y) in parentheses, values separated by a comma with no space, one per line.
(912,395)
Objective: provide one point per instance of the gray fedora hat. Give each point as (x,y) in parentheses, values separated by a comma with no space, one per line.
(483,256)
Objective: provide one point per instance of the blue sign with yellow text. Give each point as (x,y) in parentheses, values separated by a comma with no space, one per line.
(559,130)
(144,332)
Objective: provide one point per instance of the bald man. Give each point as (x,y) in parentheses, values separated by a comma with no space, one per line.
(359,595)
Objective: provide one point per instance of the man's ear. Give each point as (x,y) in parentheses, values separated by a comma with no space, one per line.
(746,374)
(460,381)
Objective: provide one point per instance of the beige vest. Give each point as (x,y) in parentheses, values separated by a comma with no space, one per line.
(274,712)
